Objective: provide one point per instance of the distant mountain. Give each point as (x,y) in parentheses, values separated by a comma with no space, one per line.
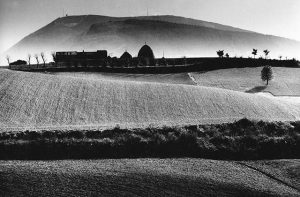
(172,35)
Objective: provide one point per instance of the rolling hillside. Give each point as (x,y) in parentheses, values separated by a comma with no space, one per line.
(35,100)
(146,177)
(173,78)
(286,81)
(175,36)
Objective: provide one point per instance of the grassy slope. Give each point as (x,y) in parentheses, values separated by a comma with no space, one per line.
(138,177)
(174,78)
(40,100)
(286,80)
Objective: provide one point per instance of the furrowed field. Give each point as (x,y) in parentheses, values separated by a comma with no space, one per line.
(35,100)
(148,177)
(173,78)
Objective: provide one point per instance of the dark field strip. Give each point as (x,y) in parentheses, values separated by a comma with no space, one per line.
(241,140)
(141,177)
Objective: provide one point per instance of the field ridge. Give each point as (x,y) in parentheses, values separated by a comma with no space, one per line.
(269,175)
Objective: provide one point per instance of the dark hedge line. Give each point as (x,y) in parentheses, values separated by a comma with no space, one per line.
(241,140)
(173,65)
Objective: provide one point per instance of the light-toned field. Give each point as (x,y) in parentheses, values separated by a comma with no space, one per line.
(286,81)
(35,100)
(174,78)
(144,177)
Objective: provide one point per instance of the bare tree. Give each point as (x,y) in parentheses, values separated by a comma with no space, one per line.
(267,74)
(43,58)
(37,59)
(220,53)
(29,58)
(8,59)
(254,52)
(266,53)
(53,56)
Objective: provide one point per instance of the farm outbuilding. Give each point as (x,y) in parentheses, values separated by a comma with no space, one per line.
(146,52)
(126,56)
(146,56)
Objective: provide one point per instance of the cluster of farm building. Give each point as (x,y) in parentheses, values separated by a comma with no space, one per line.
(145,59)
(100,58)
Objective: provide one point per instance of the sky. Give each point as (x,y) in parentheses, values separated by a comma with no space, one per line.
(18,18)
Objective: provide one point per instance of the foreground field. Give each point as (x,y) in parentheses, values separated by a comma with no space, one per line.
(287,171)
(146,177)
(286,81)
(42,101)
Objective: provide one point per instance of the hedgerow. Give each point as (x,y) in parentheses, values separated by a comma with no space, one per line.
(241,140)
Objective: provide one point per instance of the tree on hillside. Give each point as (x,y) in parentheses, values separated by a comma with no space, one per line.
(29,58)
(267,74)
(266,53)
(254,52)
(37,59)
(227,55)
(280,57)
(220,53)
(8,59)
(53,56)
(43,58)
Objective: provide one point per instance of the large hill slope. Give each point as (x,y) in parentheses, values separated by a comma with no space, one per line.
(175,36)
(34,100)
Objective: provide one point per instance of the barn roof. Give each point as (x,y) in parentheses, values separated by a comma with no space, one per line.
(126,55)
(146,52)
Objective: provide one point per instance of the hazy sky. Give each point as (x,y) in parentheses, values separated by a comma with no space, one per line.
(19,18)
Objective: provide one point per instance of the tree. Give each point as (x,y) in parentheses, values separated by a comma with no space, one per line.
(267,74)
(29,58)
(43,58)
(53,56)
(227,55)
(254,52)
(220,53)
(280,57)
(37,59)
(266,53)
(8,59)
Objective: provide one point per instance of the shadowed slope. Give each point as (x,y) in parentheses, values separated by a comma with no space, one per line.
(41,100)
(137,177)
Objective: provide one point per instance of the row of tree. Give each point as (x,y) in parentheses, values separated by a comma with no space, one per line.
(221,54)
(35,56)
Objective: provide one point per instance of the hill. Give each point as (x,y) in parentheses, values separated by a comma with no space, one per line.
(175,36)
(144,177)
(286,81)
(35,100)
